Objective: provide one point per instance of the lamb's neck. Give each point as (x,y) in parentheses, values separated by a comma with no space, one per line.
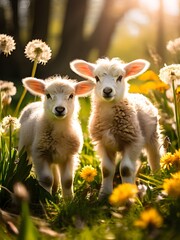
(61,123)
(104,106)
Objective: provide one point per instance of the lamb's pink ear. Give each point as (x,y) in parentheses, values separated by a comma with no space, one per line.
(136,67)
(83,68)
(34,86)
(84,88)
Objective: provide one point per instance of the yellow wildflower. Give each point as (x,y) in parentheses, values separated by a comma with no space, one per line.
(7,44)
(178,94)
(176,175)
(38,50)
(147,82)
(88,173)
(122,193)
(176,162)
(172,186)
(149,218)
(166,161)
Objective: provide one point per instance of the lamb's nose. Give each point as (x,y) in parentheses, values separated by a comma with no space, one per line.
(60,111)
(107,91)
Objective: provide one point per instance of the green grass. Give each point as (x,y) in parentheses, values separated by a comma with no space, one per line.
(86,218)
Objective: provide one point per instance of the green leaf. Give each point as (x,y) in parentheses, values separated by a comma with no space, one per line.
(27,229)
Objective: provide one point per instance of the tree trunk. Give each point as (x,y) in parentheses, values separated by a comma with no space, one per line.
(160,31)
(41,12)
(74,45)
(15,19)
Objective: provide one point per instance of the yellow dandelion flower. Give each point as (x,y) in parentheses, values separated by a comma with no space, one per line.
(38,50)
(122,193)
(170,73)
(88,173)
(176,175)
(147,82)
(7,44)
(166,161)
(177,154)
(8,122)
(172,186)
(149,218)
(178,94)
(176,161)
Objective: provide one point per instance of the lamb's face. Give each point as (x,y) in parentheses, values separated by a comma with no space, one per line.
(110,82)
(59,100)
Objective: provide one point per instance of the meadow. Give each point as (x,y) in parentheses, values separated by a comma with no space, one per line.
(149,211)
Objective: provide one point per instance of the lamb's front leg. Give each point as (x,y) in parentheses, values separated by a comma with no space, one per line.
(128,167)
(43,171)
(108,171)
(66,174)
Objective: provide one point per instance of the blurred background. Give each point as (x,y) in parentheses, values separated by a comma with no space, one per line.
(87,29)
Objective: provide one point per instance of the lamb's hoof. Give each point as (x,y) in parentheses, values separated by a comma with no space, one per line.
(103,197)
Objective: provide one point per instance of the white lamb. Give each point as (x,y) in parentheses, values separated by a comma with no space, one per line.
(120,122)
(50,130)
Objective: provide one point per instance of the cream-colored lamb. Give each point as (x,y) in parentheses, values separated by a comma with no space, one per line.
(120,121)
(50,130)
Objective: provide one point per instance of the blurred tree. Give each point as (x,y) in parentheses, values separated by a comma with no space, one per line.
(75,44)
(40,15)
(14,31)
(160,29)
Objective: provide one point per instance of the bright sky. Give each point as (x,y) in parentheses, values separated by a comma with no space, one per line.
(171,6)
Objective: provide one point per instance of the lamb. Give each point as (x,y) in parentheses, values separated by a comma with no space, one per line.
(50,130)
(120,122)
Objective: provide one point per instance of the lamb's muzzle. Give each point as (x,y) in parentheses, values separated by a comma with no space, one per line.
(60,111)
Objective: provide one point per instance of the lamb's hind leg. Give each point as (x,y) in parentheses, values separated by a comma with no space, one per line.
(108,171)
(153,152)
(66,175)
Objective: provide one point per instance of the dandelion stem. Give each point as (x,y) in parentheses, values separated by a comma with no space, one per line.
(20,102)
(34,67)
(1,106)
(176,114)
(25,91)
(10,140)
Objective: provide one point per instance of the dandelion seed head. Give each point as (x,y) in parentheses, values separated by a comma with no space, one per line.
(7,89)
(8,122)
(38,50)
(170,73)
(7,44)
(173,46)
(88,173)
(122,193)
(20,192)
(149,218)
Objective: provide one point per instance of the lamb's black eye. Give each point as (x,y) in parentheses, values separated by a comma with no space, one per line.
(119,78)
(71,96)
(97,79)
(48,95)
